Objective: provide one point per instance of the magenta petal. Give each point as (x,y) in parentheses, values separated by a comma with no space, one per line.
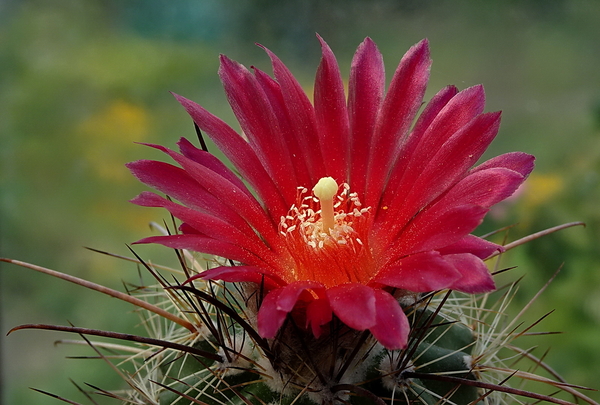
(421,272)
(332,115)
(209,225)
(291,293)
(228,194)
(354,304)
(396,116)
(251,106)
(302,116)
(517,161)
(426,180)
(318,313)
(484,188)
(475,278)
(178,184)
(432,230)
(426,141)
(210,161)
(365,93)
(297,146)
(205,244)
(392,327)
(474,245)
(243,274)
(454,159)
(239,153)
(433,108)
(270,318)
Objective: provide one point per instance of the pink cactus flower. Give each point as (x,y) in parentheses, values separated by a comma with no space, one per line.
(353,201)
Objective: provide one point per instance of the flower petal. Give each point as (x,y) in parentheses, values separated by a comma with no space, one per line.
(474,245)
(239,152)
(270,319)
(178,184)
(392,326)
(436,229)
(421,272)
(475,278)
(365,93)
(454,158)
(483,187)
(252,109)
(332,115)
(318,313)
(449,164)
(426,140)
(354,304)
(302,117)
(210,225)
(518,161)
(211,161)
(438,157)
(292,292)
(396,116)
(205,244)
(250,274)
(295,144)
(228,194)
(432,110)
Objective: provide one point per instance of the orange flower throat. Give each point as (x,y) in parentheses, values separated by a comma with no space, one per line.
(327,236)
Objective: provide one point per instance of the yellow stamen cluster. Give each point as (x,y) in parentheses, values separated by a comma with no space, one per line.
(325,218)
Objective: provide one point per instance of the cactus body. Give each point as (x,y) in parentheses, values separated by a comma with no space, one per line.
(343,365)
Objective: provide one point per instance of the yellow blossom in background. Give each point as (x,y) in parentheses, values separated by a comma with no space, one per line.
(541,188)
(110,135)
(111,139)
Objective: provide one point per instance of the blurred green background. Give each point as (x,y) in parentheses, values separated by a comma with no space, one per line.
(81,81)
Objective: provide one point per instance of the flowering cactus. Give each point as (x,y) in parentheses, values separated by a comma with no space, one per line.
(392,205)
(346,270)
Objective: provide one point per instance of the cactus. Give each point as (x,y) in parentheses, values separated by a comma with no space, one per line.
(345,273)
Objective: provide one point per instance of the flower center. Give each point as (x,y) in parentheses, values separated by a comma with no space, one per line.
(327,233)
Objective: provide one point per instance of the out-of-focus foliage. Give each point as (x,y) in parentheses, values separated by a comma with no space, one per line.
(81,81)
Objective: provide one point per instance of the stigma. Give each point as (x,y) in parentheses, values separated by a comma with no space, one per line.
(325,189)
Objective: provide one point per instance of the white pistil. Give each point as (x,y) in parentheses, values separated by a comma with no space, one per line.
(325,189)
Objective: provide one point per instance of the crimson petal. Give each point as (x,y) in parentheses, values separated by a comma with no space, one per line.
(269,318)
(421,272)
(483,187)
(474,245)
(205,244)
(318,313)
(392,327)
(436,229)
(332,115)
(253,111)
(209,225)
(354,304)
(178,184)
(242,274)
(294,142)
(302,116)
(292,292)
(475,278)
(518,161)
(239,152)
(365,93)
(433,108)
(397,113)
(210,161)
